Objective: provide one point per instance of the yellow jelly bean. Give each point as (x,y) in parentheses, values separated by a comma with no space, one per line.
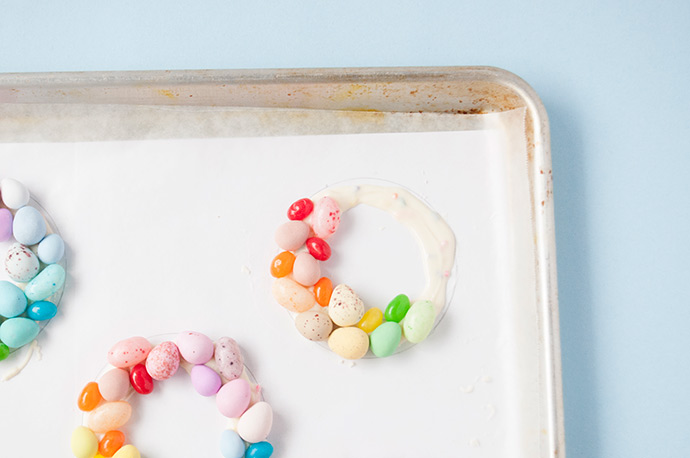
(84,443)
(128,451)
(371,320)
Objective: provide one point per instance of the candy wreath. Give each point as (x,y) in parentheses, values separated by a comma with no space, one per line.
(33,264)
(337,314)
(135,365)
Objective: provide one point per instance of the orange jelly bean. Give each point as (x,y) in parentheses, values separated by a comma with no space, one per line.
(323,290)
(112,442)
(282,264)
(90,397)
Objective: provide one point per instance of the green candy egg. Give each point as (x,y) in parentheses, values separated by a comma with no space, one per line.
(419,321)
(397,308)
(385,339)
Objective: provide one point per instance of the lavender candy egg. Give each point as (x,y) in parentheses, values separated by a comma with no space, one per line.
(205,380)
(5,224)
(21,264)
(229,358)
(28,227)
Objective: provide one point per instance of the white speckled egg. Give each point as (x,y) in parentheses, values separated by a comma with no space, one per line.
(314,325)
(21,264)
(345,307)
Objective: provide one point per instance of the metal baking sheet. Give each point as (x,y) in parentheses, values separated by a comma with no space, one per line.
(363,99)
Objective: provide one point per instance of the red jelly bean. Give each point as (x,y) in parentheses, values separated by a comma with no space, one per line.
(318,248)
(141,380)
(300,209)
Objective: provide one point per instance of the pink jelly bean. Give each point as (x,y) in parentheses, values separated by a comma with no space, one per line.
(326,217)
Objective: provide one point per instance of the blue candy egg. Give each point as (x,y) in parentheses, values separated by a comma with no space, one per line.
(42,311)
(231,444)
(45,284)
(51,249)
(17,332)
(12,300)
(260,450)
(28,226)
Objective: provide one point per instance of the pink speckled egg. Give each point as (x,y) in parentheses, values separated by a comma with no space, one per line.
(233,398)
(326,217)
(129,352)
(306,270)
(205,380)
(163,361)
(292,235)
(5,224)
(114,385)
(195,347)
(229,358)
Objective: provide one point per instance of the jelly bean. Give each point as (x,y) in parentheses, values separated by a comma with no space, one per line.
(323,290)
(349,343)
(318,248)
(17,332)
(291,235)
(111,442)
(12,300)
(205,380)
(109,416)
(291,295)
(5,224)
(345,307)
(397,308)
(128,451)
(260,450)
(51,249)
(163,361)
(195,347)
(231,444)
(371,320)
(282,264)
(21,264)
(300,209)
(419,321)
(45,284)
(233,398)
(28,226)
(141,380)
(42,311)
(306,270)
(90,397)
(4,351)
(229,358)
(255,425)
(385,339)
(84,443)
(314,326)
(114,385)
(326,217)
(14,193)
(129,352)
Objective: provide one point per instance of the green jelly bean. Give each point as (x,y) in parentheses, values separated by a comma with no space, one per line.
(4,351)
(397,308)
(419,321)
(385,339)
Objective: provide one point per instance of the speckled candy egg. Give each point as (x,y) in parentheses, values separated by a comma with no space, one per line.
(5,224)
(419,321)
(233,398)
(349,343)
(163,361)
(51,249)
(345,307)
(28,226)
(21,264)
(255,424)
(46,283)
(293,296)
(195,347)
(114,385)
(229,358)
(14,193)
(109,416)
(306,270)
(326,217)
(292,235)
(129,352)
(314,326)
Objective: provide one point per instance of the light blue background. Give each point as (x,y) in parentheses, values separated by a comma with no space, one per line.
(614,79)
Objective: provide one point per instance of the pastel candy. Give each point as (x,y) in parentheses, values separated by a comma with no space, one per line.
(51,249)
(163,361)
(42,311)
(349,343)
(233,398)
(229,358)
(326,217)
(345,307)
(114,385)
(12,300)
(231,444)
(129,352)
(14,193)
(109,416)
(128,451)
(291,236)
(385,339)
(84,443)
(255,424)
(306,270)
(21,264)
(17,332)
(260,450)
(45,284)
(314,326)
(195,347)
(205,380)
(419,321)
(28,226)
(5,224)
(291,295)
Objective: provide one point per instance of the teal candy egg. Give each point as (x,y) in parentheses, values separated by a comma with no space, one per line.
(51,249)
(231,444)
(385,339)
(17,332)
(12,300)
(45,284)
(28,226)
(419,321)
(260,450)
(397,308)
(42,311)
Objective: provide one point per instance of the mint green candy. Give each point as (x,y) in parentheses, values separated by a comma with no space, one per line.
(385,339)
(419,321)
(4,351)
(397,308)
(45,284)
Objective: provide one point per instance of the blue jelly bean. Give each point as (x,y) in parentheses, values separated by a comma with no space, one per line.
(260,450)
(42,310)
